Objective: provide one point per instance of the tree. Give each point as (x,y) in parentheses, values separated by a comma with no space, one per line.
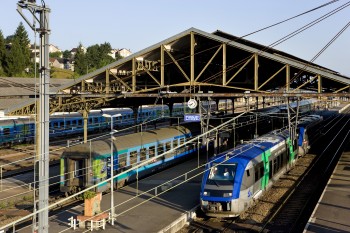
(97,55)
(81,64)
(21,36)
(66,54)
(56,54)
(105,59)
(14,64)
(2,53)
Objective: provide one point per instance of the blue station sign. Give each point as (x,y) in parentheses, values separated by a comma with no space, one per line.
(192,117)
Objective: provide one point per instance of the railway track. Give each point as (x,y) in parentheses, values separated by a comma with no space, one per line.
(289,210)
(293,213)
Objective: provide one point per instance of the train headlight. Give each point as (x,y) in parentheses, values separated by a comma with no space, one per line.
(204,203)
(227,194)
(205,193)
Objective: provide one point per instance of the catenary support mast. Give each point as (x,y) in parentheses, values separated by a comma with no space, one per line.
(43,108)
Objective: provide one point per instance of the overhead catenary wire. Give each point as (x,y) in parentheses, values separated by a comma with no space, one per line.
(262,50)
(283,39)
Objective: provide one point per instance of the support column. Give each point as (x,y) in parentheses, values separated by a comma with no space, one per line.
(256,69)
(135,110)
(287,77)
(224,64)
(319,78)
(171,107)
(256,103)
(162,65)
(133,74)
(263,102)
(319,89)
(233,105)
(85,117)
(108,85)
(192,58)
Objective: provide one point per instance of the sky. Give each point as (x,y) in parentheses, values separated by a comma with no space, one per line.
(138,24)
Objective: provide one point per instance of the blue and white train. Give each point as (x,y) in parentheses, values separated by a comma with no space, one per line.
(16,130)
(84,165)
(306,124)
(234,178)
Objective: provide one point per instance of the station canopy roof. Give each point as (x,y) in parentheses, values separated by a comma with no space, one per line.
(192,62)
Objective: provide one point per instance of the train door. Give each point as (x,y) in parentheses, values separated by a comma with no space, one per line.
(77,176)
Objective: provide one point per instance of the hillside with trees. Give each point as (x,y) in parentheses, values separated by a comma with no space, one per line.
(18,60)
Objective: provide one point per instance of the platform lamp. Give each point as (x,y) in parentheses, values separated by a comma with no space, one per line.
(112,164)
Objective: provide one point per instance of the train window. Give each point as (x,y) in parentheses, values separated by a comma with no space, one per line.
(133,157)
(167,146)
(80,122)
(122,160)
(279,164)
(143,153)
(55,125)
(275,166)
(6,131)
(90,120)
(256,171)
(160,148)
(222,172)
(175,143)
(259,171)
(248,173)
(261,168)
(270,172)
(68,123)
(182,141)
(151,151)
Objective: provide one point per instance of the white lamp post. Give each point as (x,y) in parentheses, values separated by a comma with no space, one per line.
(112,164)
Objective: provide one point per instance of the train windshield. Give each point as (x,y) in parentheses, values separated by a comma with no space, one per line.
(222,172)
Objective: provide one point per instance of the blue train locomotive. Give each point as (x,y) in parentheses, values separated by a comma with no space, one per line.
(305,125)
(233,179)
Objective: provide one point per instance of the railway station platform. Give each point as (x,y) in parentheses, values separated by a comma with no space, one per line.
(332,211)
(152,216)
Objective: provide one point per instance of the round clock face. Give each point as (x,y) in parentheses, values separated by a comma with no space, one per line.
(192,103)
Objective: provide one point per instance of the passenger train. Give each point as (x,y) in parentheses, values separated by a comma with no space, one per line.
(305,125)
(234,178)
(84,165)
(16,130)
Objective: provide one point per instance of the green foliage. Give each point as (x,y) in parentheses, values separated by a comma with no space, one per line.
(15,57)
(2,53)
(3,205)
(14,64)
(61,73)
(11,203)
(66,54)
(27,198)
(89,194)
(15,53)
(21,36)
(96,56)
(56,54)
(81,64)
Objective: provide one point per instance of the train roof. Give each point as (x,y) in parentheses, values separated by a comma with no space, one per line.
(309,120)
(301,103)
(138,139)
(102,147)
(246,152)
